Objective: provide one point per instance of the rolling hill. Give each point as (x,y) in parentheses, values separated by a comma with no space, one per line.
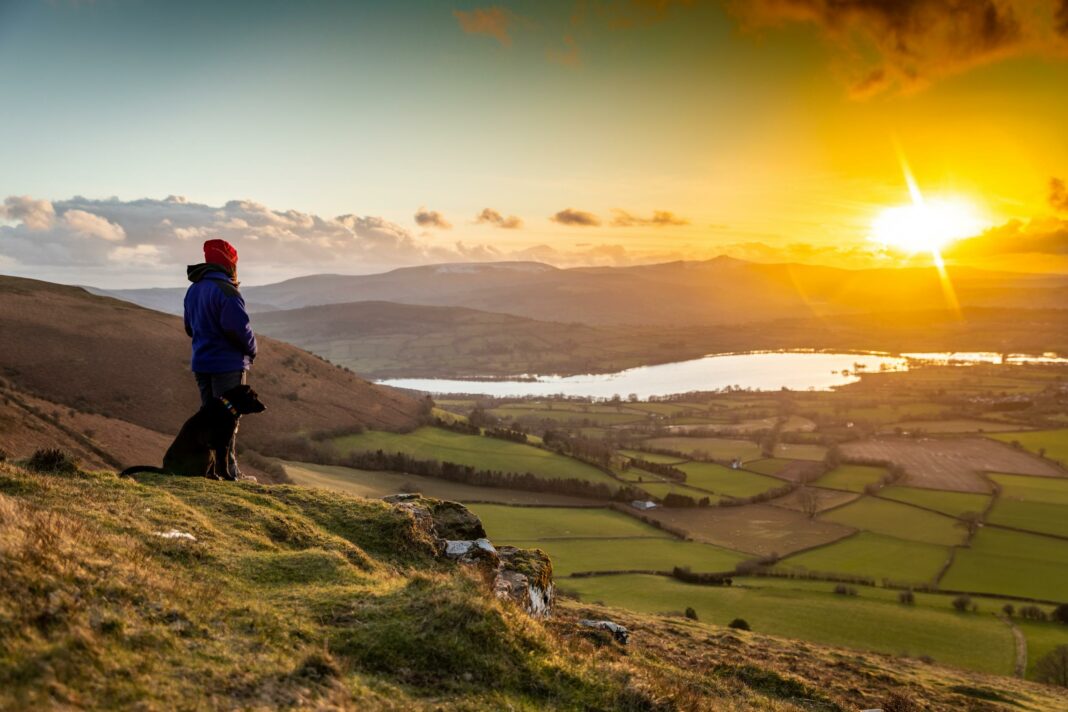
(107,377)
(717,291)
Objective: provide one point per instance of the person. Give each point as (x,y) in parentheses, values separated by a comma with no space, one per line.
(224,345)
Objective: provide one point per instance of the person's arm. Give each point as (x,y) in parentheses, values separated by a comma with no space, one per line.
(185,315)
(237,326)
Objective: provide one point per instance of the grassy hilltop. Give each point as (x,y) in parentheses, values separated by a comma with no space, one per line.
(292,597)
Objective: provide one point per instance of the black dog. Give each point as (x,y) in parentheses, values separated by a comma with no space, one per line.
(200,448)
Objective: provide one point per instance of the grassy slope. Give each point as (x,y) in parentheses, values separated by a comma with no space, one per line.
(1054,442)
(874,555)
(482,452)
(301,598)
(853,478)
(951,503)
(898,520)
(1012,563)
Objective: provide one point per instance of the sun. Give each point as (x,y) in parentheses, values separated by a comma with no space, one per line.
(926,225)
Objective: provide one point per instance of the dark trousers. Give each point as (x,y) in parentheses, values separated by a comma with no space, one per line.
(213,385)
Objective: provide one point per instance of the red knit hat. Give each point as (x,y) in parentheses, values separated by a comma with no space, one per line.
(221,252)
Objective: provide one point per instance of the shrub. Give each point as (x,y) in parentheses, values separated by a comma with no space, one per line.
(739,624)
(52,460)
(962,603)
(1008,609)
(3,455)
(843,590)
(1052,668)
(1060,613)
(900,702)
(1032,613)
(691,613)
(907,597)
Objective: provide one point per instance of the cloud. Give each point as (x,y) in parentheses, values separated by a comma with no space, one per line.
(431,218)
(660,218)
(567,57)
(570,216)
(34,214)
(1058,192)
(1047,236)
(491,21)
(492,217)
(86,224)
(906,44)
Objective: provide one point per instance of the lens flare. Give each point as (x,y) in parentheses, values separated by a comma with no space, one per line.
(926,226)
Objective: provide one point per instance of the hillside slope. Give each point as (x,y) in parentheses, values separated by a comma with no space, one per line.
(88,354)
(185,593)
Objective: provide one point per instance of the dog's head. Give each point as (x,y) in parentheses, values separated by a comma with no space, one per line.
(245,400)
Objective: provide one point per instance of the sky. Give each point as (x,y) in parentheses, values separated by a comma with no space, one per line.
(354,137)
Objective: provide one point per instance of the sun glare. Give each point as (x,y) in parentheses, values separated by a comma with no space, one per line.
(927,226)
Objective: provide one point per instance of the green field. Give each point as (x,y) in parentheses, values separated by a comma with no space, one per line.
(1053,442)
(428,443)
(504,523)
(724,480)
(652,457)
(852,478)
(1011,563)
(954,425)
(1041,639)
(708,448)
(564,415)
(800,451)
(974,641)
(951,503)
(898,520)
(874,555)
(768,466)
(375,484)
(661,489)
(577,555)
(1038,504)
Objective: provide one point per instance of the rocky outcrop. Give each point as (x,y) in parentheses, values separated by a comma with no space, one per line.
(524,576)
(619,632)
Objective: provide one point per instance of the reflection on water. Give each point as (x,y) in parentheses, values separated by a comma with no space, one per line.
(804,370)
(974,357)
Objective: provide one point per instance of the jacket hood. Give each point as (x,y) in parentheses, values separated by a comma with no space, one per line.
(195,273)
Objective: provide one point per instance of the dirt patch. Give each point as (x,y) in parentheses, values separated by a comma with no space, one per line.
(757,529)
(949,463)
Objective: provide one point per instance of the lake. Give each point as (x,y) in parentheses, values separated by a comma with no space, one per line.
(796,370)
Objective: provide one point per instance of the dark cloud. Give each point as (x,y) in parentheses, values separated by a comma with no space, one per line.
(660,218)
(1045,236)
(492,217)
(570,216)
(490,21)
(905,44)
(1058,193)
(431,218)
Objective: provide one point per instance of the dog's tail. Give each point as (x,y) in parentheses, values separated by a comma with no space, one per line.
(142,468)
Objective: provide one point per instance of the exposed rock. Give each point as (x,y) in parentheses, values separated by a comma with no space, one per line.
(175,534)
(526,577)
(620,633)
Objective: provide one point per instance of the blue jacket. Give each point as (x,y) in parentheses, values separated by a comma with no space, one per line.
(216,318)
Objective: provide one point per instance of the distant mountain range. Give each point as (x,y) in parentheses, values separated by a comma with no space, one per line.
(718,291)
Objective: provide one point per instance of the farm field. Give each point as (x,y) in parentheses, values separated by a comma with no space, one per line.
(898,520)
(973,641)
(769,465)
(652,457)
(724,480)
(1038,504)
(874,555)
(581,555)
(429,443)
(714,448)
(851,478)
(1013,564)
(1053,442)
(660,490)
(951,503)
(1042,638)
(948,464)
(504,523)
(959,425)
(757,529)
(824,498)
(800,451)
(560,415)
(375,484)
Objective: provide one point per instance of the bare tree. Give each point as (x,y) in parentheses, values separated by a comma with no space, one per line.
(810,502)
(1053,667)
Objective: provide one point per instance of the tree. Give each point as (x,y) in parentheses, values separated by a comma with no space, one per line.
(962,603)
(970,521)
(907,597)
(1060,613)
(691,613)
(1008,609)
(809,501)
(1052,669)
